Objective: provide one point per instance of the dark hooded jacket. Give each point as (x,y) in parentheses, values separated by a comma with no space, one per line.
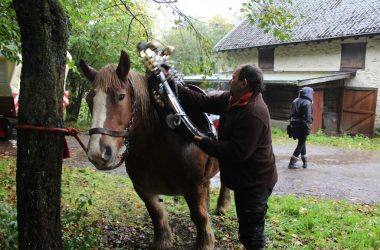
(244,147)
(301,116)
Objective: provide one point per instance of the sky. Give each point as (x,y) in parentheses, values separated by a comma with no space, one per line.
(208,8)
(203,9)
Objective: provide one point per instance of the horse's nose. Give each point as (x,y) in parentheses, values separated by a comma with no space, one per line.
(106,153)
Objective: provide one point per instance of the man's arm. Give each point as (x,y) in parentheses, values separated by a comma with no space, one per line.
(242,144)
(215,104)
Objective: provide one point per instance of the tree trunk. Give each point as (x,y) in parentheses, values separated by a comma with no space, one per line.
(44,36)
(76,87)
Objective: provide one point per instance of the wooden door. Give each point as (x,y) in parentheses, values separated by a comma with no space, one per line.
(358,111)
(317,110)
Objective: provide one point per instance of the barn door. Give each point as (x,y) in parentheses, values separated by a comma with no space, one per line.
(358,111)
(317,110)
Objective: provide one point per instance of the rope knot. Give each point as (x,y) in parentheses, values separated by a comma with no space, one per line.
(72,131)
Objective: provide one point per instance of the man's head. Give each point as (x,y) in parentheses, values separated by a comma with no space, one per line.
(247,77)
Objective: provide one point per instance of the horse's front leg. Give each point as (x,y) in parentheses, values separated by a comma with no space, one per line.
(196,200)
(224,200)
(162,233)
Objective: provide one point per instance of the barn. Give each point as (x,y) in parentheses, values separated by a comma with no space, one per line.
(335,49)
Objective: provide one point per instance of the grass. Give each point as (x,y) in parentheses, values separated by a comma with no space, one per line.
(101,211)
(345,141)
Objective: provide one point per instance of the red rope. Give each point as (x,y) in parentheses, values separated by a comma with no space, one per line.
(66,131)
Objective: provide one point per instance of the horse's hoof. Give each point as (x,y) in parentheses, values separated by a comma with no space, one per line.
(220,212)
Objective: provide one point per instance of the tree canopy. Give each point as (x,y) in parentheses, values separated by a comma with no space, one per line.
(10,44)
(110,25)
(99,29)
(271,16)
(194,44)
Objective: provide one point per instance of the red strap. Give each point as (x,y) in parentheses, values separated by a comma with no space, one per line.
(66,150)
(66,131)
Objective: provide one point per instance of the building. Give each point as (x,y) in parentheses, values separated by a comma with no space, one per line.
(335,49)
(10,76)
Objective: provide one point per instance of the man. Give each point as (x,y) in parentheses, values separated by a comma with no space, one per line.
(301,118)
(244,147)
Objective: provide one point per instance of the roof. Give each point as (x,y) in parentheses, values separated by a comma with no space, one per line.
(277,77)
(324,20)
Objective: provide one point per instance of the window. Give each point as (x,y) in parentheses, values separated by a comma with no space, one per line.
(3,71)
(266,59)
(353,56)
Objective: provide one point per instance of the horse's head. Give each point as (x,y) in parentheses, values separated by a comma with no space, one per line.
(110,102)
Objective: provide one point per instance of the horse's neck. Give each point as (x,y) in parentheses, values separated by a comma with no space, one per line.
(149,127)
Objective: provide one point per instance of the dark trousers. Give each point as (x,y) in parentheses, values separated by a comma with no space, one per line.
(301,146)
(251,207)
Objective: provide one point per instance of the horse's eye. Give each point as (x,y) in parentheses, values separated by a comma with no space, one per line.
(121,97)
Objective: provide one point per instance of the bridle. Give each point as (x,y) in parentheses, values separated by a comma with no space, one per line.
(124,133)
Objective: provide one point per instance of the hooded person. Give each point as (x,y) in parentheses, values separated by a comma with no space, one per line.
(301,119)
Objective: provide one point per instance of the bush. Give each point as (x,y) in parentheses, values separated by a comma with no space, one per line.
(8,226)
(8,219)
(78,231)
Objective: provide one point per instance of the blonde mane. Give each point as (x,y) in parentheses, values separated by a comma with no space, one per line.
(108,81)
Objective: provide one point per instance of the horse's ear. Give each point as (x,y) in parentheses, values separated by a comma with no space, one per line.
(88,71)
(124,66)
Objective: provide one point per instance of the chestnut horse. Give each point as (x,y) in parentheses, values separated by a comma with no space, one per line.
(159,160)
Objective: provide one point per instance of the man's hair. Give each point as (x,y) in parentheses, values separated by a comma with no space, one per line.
(254,77)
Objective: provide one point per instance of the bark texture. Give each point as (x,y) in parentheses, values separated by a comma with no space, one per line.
(44,35)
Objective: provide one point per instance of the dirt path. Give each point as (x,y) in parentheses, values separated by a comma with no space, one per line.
(352,175)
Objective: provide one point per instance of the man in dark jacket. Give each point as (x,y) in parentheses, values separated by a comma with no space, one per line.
(244,147)
(301,118)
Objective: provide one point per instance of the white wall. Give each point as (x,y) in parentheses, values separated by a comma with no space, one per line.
(312,57)
(323,56)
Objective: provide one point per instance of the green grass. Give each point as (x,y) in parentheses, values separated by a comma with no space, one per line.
(8,224)
(101,210)
(345,141)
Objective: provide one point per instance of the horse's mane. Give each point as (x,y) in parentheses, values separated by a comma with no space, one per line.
(108,81)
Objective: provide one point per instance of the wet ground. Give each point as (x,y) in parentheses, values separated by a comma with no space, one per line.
(353,175)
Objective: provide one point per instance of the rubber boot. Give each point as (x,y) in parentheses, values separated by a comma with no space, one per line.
(304,161)
(292,163)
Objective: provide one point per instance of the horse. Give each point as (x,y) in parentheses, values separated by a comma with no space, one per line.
(160,161)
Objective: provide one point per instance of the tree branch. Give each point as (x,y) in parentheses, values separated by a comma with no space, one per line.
(134,17)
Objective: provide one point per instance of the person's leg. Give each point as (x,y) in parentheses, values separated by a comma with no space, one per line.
(292,162)
(251,207)
(296,153)
(300,145)
(304,155)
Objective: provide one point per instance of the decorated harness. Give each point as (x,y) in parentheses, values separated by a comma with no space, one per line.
(157,64)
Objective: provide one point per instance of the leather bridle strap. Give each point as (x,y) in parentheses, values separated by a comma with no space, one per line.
(105,131)
(122,133)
